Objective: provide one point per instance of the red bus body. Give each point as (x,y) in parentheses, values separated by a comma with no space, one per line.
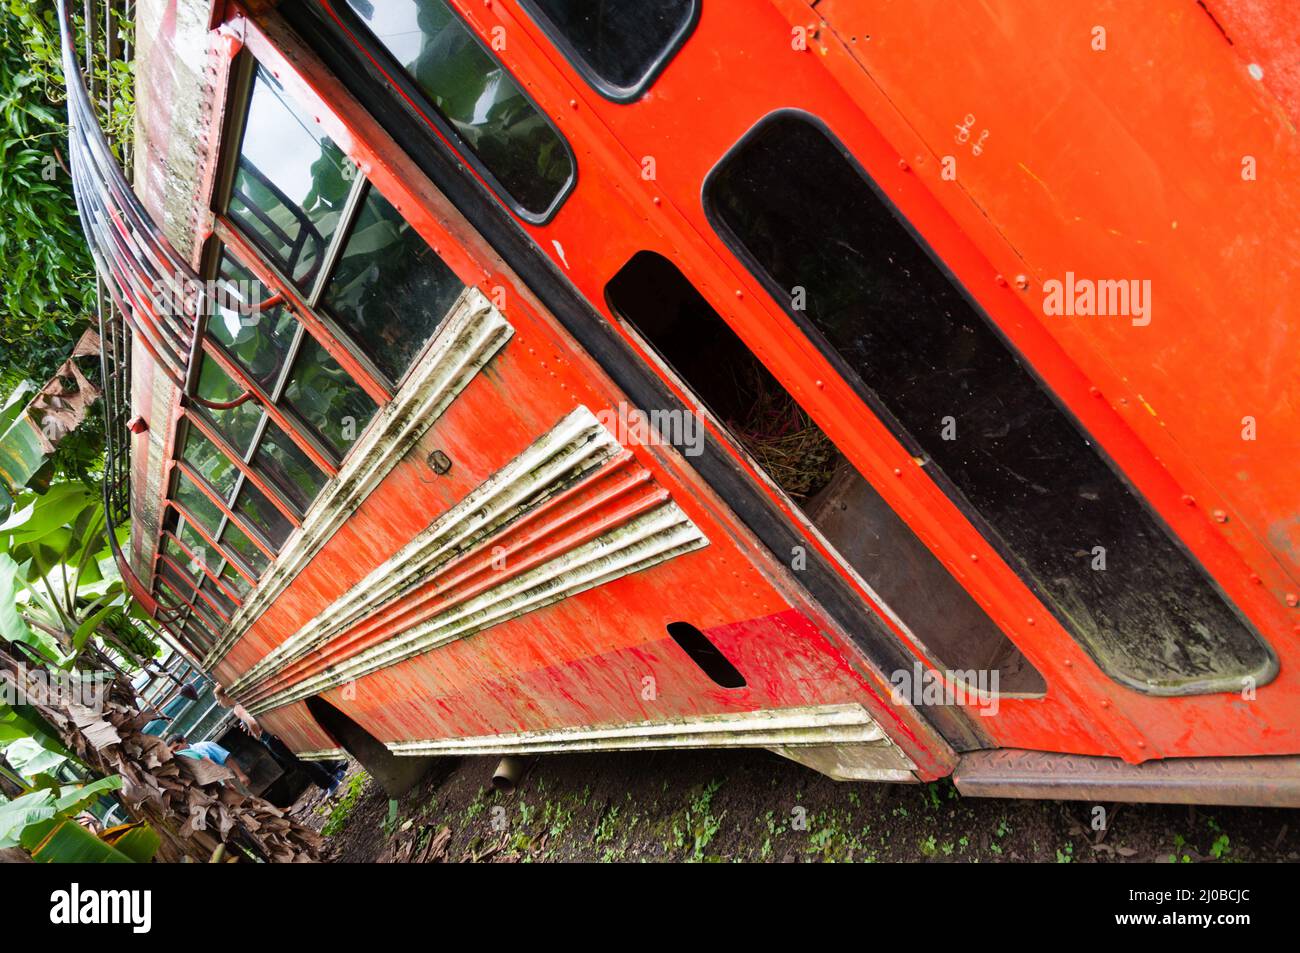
(493,566)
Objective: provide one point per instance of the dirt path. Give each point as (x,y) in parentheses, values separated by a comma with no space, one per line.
(755,806)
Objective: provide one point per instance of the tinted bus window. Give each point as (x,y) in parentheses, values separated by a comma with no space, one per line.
(476,97)
(389,290)
(290,184)
(802,214)
(618,45)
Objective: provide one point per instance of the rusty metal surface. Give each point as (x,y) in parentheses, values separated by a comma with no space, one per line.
(1260,782)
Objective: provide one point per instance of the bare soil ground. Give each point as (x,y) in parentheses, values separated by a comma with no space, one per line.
(752,806)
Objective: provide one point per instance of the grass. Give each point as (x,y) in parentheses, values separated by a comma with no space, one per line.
(346,803)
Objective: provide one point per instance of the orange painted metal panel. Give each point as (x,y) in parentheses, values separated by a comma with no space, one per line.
(1088,164)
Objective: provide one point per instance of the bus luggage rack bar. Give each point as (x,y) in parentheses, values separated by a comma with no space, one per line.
(145,291)
(149,282)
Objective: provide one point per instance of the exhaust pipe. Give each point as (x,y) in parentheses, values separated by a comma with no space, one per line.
(506,777)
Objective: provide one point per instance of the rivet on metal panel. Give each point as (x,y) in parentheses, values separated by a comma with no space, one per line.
(1220,516)
(1292,600)
(439,462)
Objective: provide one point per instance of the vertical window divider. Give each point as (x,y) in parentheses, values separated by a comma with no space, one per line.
(228,515)
(250,258)
(341,235)
(211,539)
(305,442)
(244,464)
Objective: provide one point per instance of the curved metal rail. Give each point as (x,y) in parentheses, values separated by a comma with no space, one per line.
(147,292)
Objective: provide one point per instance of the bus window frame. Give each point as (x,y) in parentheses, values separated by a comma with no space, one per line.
(623,95)
(985,530)
(410,97)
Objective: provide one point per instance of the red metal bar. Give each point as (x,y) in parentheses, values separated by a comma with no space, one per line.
(199,528)
(251,259)
(196,420)
(248,529)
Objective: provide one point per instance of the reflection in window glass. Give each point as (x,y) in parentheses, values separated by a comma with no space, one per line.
(475,95)
(178,579)
(621,43)
(256,339)
(167,595)
(237,424)
(243,547)
(286,467)
(196,503)
(326,398)
(197,545)
(260,512)
(389,290)
(290,184)
(210,463)
(231,577)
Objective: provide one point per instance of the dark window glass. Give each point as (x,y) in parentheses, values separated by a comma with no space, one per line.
(231,577)
(655,297)
(256,338)
(234,539)
(253,505)
(210,463)
(791,201)
(619,45)
(389,290)
(280,461)
(196,503)
(475,96)
(290,184)
(217,595)
(326,398)
(237,424)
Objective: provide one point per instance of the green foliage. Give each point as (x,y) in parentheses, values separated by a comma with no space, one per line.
(48,278)
(21,818)
(47,283)
(59,586)
(343,808)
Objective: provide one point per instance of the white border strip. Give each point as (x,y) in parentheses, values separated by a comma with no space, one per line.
(649,539)
(322,754)
(571,450)
(473,333)
(849,724)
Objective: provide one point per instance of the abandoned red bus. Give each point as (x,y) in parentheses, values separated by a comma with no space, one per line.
(518,376)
